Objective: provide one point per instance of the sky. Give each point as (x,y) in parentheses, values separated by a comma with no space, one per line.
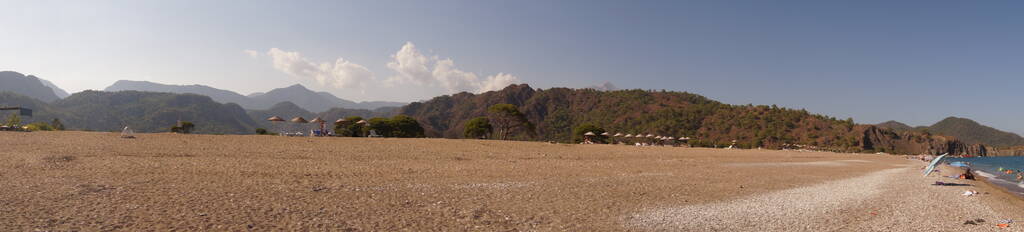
(912,61)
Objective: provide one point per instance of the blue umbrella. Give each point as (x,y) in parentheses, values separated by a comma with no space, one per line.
(959,164)
(931,167)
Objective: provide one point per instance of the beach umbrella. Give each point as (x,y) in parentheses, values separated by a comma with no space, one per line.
(361,122)
(299,120)
(605,134)
(589,134)
(275,119)
(321,122)
(670,138)
(931,167)
(650,135)
(341,121)
(959,164)
(628,135)
(618,135)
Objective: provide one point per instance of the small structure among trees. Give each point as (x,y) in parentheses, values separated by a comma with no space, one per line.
(589,133)
(183,127)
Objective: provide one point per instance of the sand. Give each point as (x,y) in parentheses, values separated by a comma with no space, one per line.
(96,181)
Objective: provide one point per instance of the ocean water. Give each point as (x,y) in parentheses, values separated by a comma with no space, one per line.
(989,167)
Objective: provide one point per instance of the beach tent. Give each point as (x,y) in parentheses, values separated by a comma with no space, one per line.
(931,167)
(127,133)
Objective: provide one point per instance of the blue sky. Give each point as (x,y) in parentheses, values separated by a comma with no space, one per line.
(911,61)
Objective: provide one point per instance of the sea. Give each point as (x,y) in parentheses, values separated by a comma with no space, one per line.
(989,167)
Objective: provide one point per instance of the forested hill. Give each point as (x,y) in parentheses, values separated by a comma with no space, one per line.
(555,112)
(971,131)
(964,129)
(142,111)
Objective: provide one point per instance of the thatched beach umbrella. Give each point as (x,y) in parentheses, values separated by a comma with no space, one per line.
(321,122)
(588,137)
(298,120)
(275,122)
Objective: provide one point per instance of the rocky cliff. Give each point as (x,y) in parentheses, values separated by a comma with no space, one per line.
(886,140)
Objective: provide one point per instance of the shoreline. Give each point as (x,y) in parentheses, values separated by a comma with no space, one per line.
(1003,195)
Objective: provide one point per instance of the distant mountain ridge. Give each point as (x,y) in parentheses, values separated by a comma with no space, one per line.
(56,90)
(142,111)
(297,94)
(896,126)
(555,112)
(30,86)
(964,129)
(973,132)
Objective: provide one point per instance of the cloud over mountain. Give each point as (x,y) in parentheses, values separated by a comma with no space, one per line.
(413,67)
(341,74)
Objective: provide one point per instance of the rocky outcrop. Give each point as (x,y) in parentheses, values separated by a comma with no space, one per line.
(1009,151)
(885,140)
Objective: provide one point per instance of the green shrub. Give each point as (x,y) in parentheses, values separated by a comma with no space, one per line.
(39,126)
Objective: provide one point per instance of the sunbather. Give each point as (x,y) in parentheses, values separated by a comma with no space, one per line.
(967,175)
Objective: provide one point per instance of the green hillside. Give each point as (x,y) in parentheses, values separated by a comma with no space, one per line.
(142,111)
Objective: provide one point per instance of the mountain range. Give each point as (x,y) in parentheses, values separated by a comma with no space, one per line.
(30,86)
(142,111)
(964,129)
(553,114)
(298,94)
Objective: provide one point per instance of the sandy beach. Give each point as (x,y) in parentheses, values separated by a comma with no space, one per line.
(89,181)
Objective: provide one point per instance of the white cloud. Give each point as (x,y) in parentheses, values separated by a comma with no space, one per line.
(498,82)
(412,67)
(340,74)
(251,53)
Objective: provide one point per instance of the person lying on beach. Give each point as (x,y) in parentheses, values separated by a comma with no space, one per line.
(967,175)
